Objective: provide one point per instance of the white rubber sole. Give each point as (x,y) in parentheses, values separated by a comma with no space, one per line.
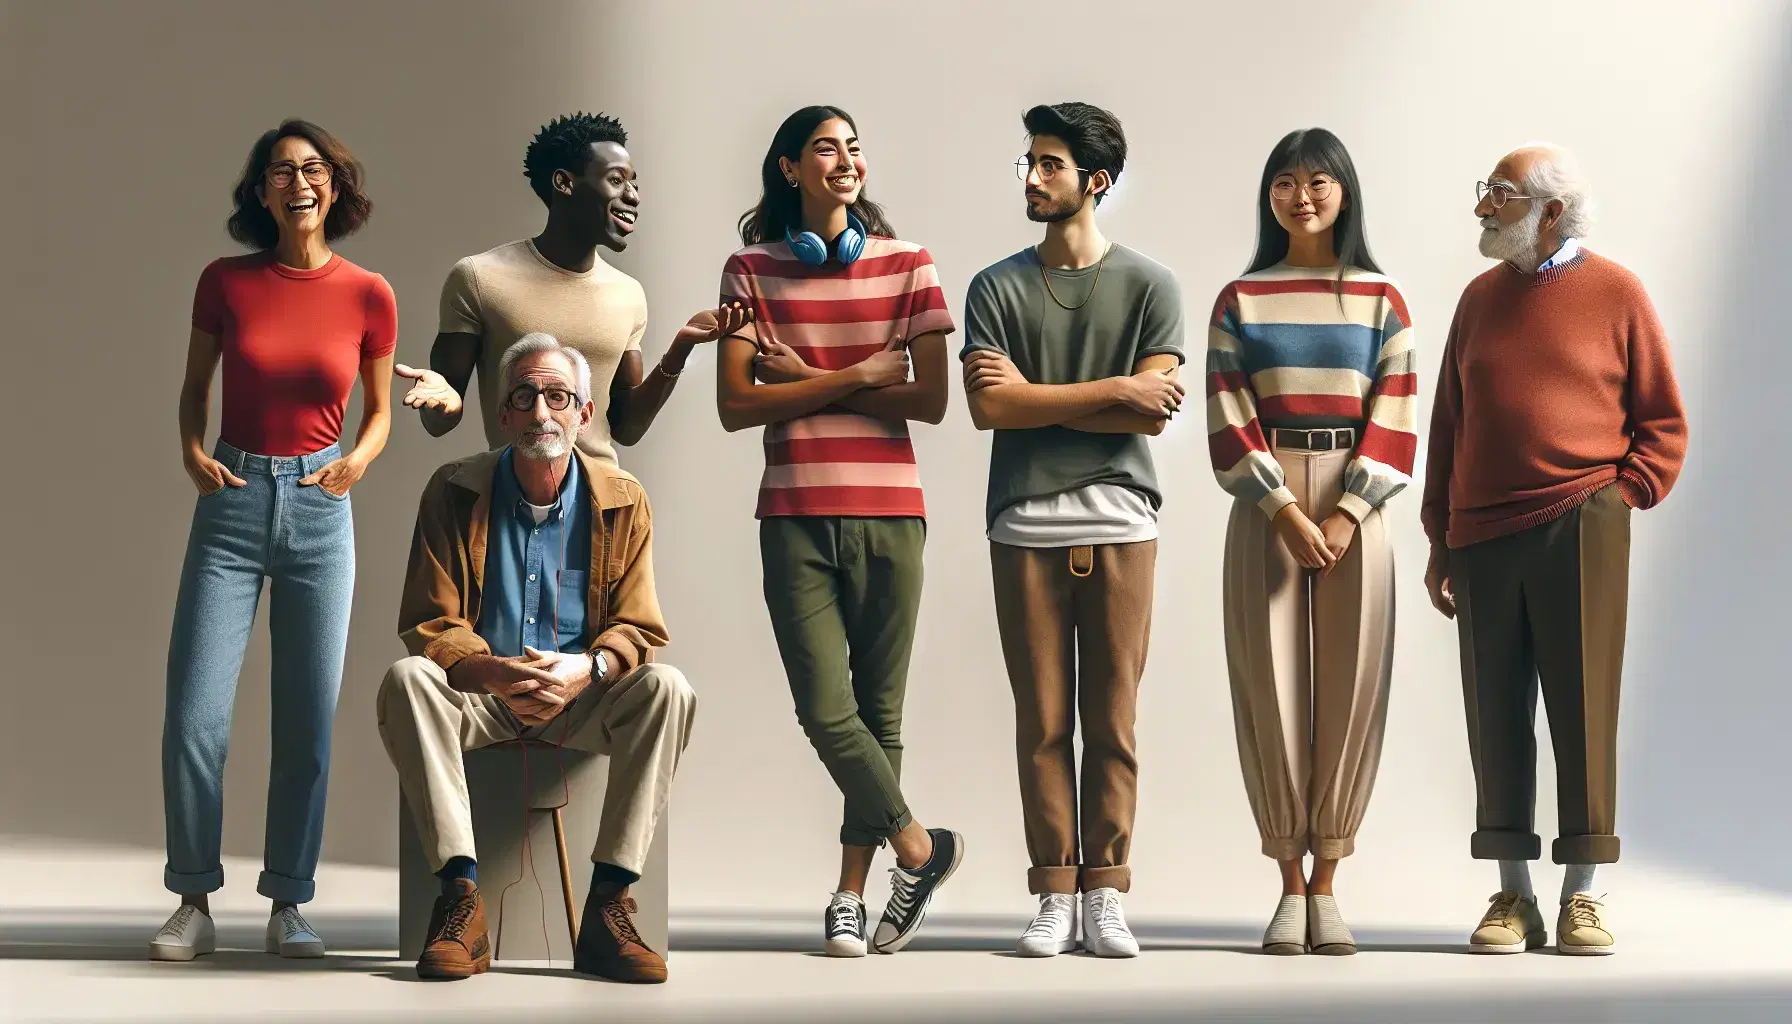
(1053,949)
(846,948)
(1509,947)
(181,954)
(1111,954)
(1564,950)
(296,950)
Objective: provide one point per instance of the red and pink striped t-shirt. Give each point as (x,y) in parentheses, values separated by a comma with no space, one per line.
(834,462)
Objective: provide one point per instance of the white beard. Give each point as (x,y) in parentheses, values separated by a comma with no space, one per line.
(1516,243)
(546,449)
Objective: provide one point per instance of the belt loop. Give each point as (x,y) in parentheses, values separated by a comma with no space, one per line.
(1085,555)
(237,456)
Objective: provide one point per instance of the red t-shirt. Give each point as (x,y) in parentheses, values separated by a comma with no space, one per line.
(293,341)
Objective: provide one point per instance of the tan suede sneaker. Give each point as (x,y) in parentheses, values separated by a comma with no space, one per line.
(1512,924)
(1579,931)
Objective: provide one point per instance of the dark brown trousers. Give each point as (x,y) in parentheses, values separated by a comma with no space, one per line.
(1074,625)
(1547,603)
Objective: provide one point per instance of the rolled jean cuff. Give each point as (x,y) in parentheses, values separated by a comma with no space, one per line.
(1504,844)
(1283,848)
(1334,849)
(1116,876)
(196,884)
(859,835)
(1053,879)
(284,889)
(1590,849)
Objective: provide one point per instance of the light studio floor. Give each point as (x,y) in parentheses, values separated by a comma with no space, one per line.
(1690,952)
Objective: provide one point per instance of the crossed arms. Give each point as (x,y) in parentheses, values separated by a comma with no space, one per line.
(1002,399)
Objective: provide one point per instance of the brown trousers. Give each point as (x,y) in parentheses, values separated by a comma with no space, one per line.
(1310,659)
(1546,603)
(1075,624)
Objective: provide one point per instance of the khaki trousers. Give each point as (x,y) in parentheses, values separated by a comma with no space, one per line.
(1310,660)
(642,722)
(1546,605)
(1075,624)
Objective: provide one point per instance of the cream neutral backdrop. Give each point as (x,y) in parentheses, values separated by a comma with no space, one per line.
(125,126)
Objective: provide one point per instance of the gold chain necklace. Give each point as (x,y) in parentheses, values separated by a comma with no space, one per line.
(1043,276)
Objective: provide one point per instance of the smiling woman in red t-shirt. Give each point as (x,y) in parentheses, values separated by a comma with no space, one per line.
(293,325)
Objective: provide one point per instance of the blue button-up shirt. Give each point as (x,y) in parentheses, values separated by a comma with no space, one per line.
(536,573)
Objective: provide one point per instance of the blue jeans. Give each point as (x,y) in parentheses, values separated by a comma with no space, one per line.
(303,539)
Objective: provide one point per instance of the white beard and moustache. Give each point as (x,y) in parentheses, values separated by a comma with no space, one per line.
(546,448)
(1515,243)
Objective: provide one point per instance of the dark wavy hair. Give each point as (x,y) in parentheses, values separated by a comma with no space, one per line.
(564,144)
(1094,137)
(251,223)
(780,207)
(1317,150)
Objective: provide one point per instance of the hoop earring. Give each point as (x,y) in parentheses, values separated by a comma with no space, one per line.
(792,183)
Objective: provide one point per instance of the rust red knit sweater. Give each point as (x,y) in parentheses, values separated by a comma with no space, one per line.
(1553,385)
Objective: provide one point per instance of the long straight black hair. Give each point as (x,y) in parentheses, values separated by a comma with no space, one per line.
(1316,150)
(780,207)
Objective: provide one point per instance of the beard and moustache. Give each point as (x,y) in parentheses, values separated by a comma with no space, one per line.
(1054,210)
(544,448)
(1515,243)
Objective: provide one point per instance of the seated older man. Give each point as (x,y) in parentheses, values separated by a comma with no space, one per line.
(529,611)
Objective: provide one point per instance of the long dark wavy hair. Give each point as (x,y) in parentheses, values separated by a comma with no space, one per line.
(780,207)
(1317,150)
(250,222)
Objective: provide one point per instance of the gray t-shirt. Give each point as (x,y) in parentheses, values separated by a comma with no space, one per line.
(1135,311)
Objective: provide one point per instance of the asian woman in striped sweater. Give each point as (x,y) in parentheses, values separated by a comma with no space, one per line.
(1312,427)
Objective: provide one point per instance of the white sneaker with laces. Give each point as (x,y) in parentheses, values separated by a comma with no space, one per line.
(1053,930)
(290,935)
(187,934)
(844,925)
(1104,925)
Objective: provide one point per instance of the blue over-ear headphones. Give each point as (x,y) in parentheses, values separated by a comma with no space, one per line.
(809,247)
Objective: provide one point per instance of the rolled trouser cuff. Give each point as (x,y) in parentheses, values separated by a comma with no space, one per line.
(1054,879)
(1505,844)
(1285,848)
(1585,850)
(197,883)
(1117,876)
(283,889)
(859,835)
(1334,849)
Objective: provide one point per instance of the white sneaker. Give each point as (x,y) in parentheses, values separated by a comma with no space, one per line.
(1287,931)
(189,933)
(1053,930)
(1104,925)
(290,935)
(844,925)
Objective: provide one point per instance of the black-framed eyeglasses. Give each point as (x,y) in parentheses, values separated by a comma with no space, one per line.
(1318,188)
(1047,167)
(1500,193)
(522,397)
(282,174)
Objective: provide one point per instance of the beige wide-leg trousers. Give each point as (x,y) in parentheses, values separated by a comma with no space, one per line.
(1310,661)
(642,722)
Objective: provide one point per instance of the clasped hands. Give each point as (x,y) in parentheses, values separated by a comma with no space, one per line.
(536,687)
(1315,547)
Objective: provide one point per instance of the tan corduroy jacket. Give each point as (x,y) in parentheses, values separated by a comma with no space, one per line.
(445,580)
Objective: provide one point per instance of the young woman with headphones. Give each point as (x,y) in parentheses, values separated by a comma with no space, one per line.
(837,308)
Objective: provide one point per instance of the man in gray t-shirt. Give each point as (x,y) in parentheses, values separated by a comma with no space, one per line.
(1071,356)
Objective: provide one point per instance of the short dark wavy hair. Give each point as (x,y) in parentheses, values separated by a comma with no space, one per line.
(251,223)
(1093,135)
(564,144)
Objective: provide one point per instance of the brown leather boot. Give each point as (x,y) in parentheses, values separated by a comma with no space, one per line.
(457,946)
(609,947)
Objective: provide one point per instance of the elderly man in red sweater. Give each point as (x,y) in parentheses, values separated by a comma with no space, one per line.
(1556,415)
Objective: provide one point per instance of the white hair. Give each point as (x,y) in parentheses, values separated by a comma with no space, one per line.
(1557,175)
(536,344)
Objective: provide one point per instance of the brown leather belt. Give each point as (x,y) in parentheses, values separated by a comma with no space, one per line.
(1322,440)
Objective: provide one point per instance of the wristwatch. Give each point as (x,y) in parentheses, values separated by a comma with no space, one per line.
(600,666)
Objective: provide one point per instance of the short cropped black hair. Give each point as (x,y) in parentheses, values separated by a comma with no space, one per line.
(564,144)
(1094,136)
